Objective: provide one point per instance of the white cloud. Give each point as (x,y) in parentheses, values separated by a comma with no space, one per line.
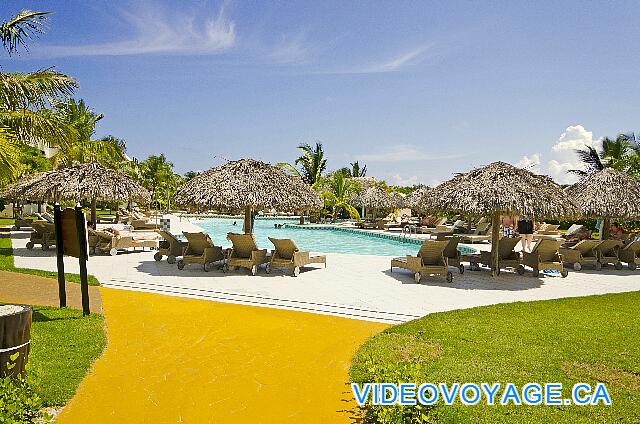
(403,152)
(396,63)
(562,156)
(532,162)
(290,50)
(154,32)
(398,180)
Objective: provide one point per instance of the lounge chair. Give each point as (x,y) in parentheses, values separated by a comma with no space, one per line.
(583,253)
(287,255)
(20,221)
(430,261)
(106,241)
(507,256)
(545,255)
(45,216)
(607,253)
(200,250)
(44,234)
(548,229)
(481,233)
(453,255)
(170,247)
(436,222)
(630,254)
(245,253)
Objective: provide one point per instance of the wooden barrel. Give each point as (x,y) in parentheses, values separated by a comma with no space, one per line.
(15,338)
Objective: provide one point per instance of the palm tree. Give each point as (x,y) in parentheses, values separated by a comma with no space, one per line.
(621,154)
(311,161)
(157,175)
(26,98)
(356,171)
(339,190)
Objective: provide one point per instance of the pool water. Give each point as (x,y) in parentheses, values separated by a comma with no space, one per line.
(320,240)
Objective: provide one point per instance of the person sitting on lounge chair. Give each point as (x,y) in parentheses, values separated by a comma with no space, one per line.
(577,234)
(136,237)
(615,232)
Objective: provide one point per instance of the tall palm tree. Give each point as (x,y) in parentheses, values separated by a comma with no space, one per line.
(339,190)
(357,171)
(312,163)
(621,154)
(26,98)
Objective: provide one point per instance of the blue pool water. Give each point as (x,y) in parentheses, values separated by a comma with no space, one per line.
(320,240)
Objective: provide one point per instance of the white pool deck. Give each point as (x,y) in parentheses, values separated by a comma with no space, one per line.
(352,286)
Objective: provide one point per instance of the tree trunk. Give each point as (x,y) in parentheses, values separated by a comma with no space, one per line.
(495,241)
(15,334)
(605,230)
(301,219)
(94,215)
(247,220)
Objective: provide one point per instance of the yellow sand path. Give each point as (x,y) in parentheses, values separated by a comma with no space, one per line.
(172,359)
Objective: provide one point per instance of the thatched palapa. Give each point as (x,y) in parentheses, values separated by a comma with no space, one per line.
(373,197)
(246,184)
(607,194)
(20,190)
(500,188)
(414,199)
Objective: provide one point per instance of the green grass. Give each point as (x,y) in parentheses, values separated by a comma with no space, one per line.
(592,339)
(64,344)
(6,264)
(6,221)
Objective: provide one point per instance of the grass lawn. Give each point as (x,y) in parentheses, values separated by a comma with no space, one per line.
(6,221)
(63,347)
(6,264)
(588,339)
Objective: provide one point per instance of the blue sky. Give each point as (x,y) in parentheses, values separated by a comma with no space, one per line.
(416,90)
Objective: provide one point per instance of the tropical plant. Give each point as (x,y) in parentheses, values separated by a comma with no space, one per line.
(338,190)
(26,98)
(189,175)
(26,24)
(357,171)
(622,154)
(312,163)
(158,177)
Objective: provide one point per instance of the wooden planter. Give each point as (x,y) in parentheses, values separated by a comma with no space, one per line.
(15,338)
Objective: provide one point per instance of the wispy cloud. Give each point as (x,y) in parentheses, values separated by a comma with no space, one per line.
(290,50)
(404,152)
(396,63)
(153,33)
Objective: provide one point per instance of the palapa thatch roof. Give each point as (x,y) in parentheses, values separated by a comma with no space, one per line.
(248,182)
(374,197)
(87,181)
(607,194)
(414,199)
(19,190)
(365,182)
(500,187)
(397,199)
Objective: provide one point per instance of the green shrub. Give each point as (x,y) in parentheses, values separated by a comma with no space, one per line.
(19,403)
(403,372)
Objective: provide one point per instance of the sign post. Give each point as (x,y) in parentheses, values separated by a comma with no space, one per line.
(71,240)
(62,292)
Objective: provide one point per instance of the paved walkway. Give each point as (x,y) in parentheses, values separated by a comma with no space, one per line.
(352,286)
(36,290)
(171,359)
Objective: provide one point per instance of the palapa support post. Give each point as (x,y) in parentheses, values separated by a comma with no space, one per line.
(605,230)
(94,215)
(82,259)
(247,220)
(62,291)
(495,241)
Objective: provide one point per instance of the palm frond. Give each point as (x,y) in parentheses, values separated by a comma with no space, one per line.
(34,90)
(39,127)
(25,25)
(287,167)
(9,157)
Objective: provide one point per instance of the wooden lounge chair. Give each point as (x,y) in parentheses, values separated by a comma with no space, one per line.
(44,234)
(200,250)
(170,247)
(507,256)
(630,254)
(544,256)
(548,229)
(106,241)
(481,233)
(20,221)
(607,253)
(432,227)
(581,254)
(453,255)
(430,261)
(45,216)
(245,253)
(287,255)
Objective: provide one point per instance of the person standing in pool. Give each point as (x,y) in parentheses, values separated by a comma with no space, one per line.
(525,229)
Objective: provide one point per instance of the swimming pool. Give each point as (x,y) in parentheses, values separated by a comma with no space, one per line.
(332,240)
